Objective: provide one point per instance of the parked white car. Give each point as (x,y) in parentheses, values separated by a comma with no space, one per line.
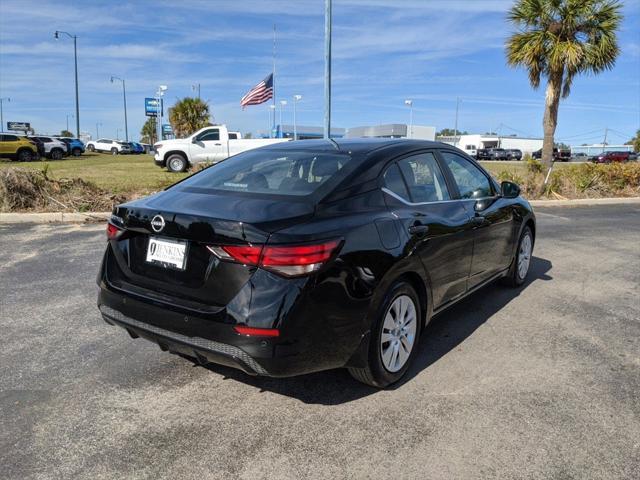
(113,147)
(209,144)
(53,148)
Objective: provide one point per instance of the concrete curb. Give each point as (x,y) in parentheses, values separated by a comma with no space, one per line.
(92,217)
(54,217)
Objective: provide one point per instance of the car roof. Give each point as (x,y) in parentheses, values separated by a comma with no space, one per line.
(352,145)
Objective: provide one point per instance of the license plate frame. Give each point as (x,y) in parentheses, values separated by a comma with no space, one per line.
(162,249)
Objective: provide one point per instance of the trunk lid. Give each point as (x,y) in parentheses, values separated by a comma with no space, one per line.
(195,219)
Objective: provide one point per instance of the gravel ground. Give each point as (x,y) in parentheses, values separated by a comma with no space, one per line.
(539,382)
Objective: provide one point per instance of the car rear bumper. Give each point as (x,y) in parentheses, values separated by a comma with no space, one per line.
(307,341)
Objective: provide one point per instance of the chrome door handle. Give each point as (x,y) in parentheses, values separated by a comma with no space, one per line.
(418,229)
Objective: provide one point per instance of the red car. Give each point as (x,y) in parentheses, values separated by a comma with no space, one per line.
(608,157)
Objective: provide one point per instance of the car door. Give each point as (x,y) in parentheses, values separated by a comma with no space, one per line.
(492,216)
(436,225)
(207,146)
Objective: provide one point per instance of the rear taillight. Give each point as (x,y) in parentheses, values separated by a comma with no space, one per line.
(289,260)
(113,231)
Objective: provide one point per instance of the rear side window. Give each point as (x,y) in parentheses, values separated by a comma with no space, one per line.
(280,173)
(471,182)
(424,178)
(394,182)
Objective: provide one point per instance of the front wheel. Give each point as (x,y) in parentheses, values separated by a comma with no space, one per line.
(394,336)
(522,260)
(76,152)
(91,148)
(114,151)
(56,154)
(176,163)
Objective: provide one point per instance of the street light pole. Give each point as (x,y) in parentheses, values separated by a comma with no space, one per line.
(455,128)
(68,121)
(196,87)
(124,96)
(282,104)
(1,113)
(98,131)
(159,94)
(272,119)
(75,59)
(327,69)
(296,99)
(410,104)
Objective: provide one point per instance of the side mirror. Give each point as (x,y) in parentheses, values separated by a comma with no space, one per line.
(509,189)
(194,140)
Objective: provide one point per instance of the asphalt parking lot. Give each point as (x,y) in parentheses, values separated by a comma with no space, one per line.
(539,382)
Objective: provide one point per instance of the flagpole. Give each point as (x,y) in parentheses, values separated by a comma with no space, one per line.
(273,125)
(327,69)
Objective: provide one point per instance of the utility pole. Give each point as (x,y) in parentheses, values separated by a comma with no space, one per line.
(327,69)
(1,113)
(98,131)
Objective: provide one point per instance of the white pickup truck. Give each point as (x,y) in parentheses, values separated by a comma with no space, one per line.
(209,144)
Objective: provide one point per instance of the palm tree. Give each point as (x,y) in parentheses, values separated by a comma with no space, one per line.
(149,132)
(188,115)
(557,40)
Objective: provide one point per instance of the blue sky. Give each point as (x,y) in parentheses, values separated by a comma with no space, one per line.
(384,52)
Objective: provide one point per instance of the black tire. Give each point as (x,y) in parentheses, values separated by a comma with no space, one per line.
(76,152)
(114,151)
(515,277)
(91,148)
(24,155)
(375,373)
(56,154)
(177,163)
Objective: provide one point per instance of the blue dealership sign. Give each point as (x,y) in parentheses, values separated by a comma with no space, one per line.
(166,129)
(152,107)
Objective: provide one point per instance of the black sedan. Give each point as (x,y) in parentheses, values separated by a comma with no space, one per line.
(312,255)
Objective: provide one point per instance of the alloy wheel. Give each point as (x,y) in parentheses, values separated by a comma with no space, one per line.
(398,333)
(524,256)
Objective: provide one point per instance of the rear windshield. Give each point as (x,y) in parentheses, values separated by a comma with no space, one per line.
(272,172)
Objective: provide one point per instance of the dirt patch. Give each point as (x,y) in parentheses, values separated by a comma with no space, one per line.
(23,190)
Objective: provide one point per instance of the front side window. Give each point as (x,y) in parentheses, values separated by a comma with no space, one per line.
(273,172)
(209,136)
(424,179)
(471,182)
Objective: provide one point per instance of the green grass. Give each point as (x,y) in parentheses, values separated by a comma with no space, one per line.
(125,174)
(137,174)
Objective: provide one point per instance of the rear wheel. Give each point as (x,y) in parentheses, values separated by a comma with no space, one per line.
(520,265)
(394,336)
(76,152)
(91,148)
(176,163)
(114,151)
(25,155)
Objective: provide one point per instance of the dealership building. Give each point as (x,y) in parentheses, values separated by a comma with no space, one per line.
(393,130)
(473,142)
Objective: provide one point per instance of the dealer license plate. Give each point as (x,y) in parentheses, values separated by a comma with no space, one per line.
(171,253)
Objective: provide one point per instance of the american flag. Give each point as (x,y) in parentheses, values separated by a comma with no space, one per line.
(260,93)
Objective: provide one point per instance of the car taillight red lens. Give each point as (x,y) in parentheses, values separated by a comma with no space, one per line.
(113,232)
(289,260)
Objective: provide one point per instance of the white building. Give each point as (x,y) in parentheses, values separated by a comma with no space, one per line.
(393,130)
(471,143)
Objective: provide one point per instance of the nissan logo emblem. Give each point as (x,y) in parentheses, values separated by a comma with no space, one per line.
(157,223)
